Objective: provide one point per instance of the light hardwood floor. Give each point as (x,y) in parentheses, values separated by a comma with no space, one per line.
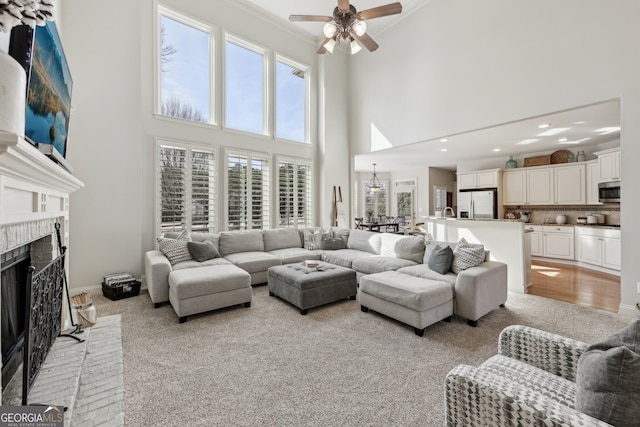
(576,285)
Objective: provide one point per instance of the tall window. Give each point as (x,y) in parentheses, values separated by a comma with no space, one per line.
(291,100)
(245,87)
(247,204)
(294,193)
(186,188)
(185,58)
(376,202)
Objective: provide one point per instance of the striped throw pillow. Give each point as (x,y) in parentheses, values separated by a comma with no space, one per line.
(176,250)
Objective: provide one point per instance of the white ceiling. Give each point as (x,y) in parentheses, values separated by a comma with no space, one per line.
(582,124)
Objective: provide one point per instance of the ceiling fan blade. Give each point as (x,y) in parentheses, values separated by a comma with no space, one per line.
(366,41)
(377,12)
(343,5)
(310,18)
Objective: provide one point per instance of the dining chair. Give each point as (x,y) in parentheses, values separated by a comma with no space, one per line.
(359,223)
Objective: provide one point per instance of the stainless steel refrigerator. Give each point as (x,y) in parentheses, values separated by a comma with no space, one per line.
(478,204)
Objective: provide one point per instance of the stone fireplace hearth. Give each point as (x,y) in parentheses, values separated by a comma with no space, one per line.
(34,196)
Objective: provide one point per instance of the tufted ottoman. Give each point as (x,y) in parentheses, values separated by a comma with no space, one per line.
(308,288)
(412,300)
(196,290)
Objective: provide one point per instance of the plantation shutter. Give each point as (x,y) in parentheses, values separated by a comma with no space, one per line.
(294,193)
(186,189)
(247,191)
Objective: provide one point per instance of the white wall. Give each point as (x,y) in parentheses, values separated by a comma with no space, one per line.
(461,65)
(112,133)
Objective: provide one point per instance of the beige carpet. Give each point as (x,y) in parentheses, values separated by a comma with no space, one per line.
(336,366)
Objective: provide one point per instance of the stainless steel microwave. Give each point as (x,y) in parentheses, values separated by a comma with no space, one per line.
(609,192)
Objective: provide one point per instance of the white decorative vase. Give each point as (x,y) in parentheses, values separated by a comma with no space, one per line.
(13,93)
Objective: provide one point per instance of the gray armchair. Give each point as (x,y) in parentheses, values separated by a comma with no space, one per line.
(531,381)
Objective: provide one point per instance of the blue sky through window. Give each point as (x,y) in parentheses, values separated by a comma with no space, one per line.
(290,103)
(185,73)
(244,89)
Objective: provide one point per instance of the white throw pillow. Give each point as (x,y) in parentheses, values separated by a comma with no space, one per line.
(176,250)
(466,255)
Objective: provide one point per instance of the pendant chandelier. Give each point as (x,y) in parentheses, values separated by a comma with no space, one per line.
(374,184)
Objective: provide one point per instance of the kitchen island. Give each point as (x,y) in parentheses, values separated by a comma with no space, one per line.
(505,239)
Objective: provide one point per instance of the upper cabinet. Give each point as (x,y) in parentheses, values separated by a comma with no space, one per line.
(592,180)
(609,164)
(554,185)
(478,179)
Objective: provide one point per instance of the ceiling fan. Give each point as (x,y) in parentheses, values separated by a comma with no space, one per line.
(349,25)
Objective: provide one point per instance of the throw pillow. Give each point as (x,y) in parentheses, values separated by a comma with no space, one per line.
(466,255)
(202,251)
(441,259)
(608,378)
(176,249)
(333,244)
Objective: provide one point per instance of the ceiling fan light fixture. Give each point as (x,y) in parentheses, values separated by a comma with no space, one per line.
(359,27)
(329,45)
(355,47)
(330,29)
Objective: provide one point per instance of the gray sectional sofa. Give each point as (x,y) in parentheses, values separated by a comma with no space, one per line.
(474,291)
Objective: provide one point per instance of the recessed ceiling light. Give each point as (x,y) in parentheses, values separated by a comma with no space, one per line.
(544,125)
(497,149)
(579,123)
(553,131)
(608,130)
(527,141)
(578,141)
(444,149)
(444,140)
(562,140)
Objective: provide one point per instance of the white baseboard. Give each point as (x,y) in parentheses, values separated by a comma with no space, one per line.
(629,311)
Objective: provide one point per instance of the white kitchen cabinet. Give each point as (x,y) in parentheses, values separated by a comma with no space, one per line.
(592,171)
(558,242)
(540,183)
(479,179)
(536,239)
(570,185)
(599,247)
(514,187)
(609,164)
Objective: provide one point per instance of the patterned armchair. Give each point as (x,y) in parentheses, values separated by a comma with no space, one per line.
(531,381)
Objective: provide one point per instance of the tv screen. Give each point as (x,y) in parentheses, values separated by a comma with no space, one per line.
(49,84)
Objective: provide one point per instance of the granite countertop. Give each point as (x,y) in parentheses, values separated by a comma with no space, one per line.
(607,226)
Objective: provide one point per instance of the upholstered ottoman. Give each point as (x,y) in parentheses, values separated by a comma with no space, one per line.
(307,288)
(412,300)
(196,290)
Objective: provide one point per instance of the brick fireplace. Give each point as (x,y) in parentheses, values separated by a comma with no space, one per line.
(34,196)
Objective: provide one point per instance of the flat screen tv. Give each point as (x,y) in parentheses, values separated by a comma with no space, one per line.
(49,84)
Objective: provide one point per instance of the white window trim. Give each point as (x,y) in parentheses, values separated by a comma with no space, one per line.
(307,98)
(189,146)
(229,37)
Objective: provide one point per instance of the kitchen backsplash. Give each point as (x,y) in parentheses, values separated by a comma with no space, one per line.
(542,214)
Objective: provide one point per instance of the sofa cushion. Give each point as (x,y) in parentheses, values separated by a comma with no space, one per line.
(404,247)
(291,255)
(366,241)
(441,259)
(379,263)
(176,250)
(407,291)
(281,238)
(333,244)
(254,262)
(608,378)
(344,257)
(466,255)
(232,242)
(202,251)
(423,270)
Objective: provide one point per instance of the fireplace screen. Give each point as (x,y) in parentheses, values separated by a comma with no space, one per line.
(42,325)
